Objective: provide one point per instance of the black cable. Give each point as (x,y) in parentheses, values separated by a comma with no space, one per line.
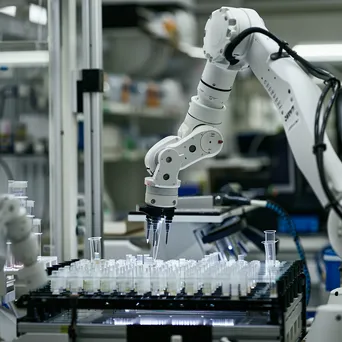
(338,117)
(7,169)
(323,74)
(331,84)
(320,146)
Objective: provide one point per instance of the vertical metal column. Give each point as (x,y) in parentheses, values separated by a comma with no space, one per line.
(69,139)
(55,128)
(92,110)
(96,62)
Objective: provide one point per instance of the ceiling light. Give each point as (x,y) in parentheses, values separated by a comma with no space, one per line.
(9,10)
(38,14)
(24,59)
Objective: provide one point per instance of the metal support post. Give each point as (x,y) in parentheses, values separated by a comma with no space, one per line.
(97,116)
(62,129)
(55,128)
(69,143)
(92,110)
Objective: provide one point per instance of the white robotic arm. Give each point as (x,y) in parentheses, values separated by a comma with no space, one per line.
(16,228)
(293,92)
(198,138)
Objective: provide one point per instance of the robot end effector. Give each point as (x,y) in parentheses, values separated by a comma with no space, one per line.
(16,228)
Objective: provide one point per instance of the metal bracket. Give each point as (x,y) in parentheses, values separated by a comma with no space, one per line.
(91,82)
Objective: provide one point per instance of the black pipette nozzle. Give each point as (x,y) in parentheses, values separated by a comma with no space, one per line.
(168,222)
(155,222)
(153,217)
(167,229)
(148,227)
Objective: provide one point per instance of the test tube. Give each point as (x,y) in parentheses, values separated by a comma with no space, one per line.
(95,248)
(37,231)
(270,250)
(17,188)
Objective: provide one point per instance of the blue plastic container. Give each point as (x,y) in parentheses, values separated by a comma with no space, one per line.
(332,264)
(189,190)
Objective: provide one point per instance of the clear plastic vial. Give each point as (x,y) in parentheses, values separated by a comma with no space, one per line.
(54,284)
(270,249)
(95,248)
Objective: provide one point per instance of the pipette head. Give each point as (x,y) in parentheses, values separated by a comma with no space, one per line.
(154,215)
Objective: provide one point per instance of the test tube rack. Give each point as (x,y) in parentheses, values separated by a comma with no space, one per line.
(275,297)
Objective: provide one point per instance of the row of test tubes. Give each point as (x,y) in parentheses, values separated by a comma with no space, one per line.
(19,190)
(145,275)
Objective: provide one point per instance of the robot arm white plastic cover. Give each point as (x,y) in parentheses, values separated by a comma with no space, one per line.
(293,92)
(16,228)
(199,137)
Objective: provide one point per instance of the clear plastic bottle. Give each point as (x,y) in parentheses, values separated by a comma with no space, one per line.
(17,188)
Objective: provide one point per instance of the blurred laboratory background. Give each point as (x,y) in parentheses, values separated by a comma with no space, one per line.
(153,60)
